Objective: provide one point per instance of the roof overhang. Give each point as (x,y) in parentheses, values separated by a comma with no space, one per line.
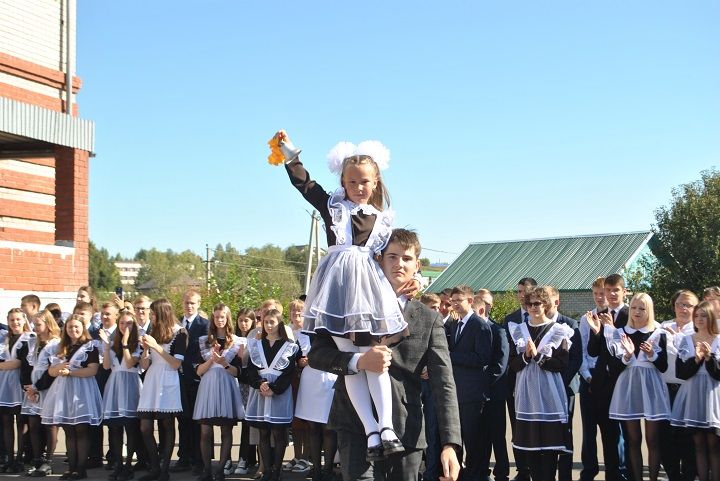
(28,130)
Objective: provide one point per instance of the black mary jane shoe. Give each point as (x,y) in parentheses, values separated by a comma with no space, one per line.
(392,447)
(375,453)
(65,476)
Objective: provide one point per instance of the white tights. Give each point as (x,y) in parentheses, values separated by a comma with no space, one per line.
(366,389)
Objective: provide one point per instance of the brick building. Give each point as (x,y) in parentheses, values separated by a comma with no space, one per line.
(44,155)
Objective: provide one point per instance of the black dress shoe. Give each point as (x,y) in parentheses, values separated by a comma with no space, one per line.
(180,466)
(140,466)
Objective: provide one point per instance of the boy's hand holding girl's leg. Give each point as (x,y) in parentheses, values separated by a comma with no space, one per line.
(377,359)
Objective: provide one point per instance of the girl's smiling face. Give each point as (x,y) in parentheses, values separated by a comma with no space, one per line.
(74,329)
(16,322)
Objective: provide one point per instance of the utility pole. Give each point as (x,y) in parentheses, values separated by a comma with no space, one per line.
(207,267)
(308,270)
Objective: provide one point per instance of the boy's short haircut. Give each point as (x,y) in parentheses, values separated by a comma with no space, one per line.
(598,283)
(552,291)
(429,298)
(682,293)
(110,304)
(463,290)
(446,292)
(141,299)
(192,293)
(614,280)
(406,238)
(477,302)
(273,303)
(82,307)
(527,282)
(296,305)
(31,299)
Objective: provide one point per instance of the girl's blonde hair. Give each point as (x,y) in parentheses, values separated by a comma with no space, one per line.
(17,310)
(50,323)
(380,199)
(647,302)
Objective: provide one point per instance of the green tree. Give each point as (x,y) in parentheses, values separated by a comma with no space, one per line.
(687,241)
(164,271)
(102,273)
(503,304)
(424,262)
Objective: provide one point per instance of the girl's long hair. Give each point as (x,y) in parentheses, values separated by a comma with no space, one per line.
(164,322)
(212,330)
(132,340)
(65,341)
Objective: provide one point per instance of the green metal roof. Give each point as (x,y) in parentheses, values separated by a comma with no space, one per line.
(568,263)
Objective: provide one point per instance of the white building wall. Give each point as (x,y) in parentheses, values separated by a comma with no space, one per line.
(33,30)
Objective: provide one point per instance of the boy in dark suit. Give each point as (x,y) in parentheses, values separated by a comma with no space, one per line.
(426,346)
(606,373)
(189,430)
(470,343)
(493,415)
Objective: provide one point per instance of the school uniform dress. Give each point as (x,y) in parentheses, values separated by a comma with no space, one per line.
(316,390)
(122,390)
(74,400)
(161,394)
(640,392)
(349,292)
(276,365)
(219,400)
(697,404)
(541,408)
(38,361)
(12,347)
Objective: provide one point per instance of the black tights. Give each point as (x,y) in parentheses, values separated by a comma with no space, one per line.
(10,422)
(543,465)
(77,440)
(707,448)
(132,431)
(633,437)
(207,446)
(279,435)
(322,439)
(159,455)
(36,430)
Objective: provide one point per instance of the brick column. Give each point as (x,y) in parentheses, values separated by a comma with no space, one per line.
(71,205)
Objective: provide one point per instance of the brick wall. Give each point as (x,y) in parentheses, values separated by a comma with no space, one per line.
(33,30)
(43,201)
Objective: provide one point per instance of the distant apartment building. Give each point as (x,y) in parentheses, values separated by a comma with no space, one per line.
(128,272)
(45,149)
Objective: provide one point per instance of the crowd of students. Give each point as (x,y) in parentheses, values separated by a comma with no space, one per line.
(127,366)
(626,366)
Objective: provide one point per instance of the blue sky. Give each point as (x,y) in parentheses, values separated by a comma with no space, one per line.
(506,120)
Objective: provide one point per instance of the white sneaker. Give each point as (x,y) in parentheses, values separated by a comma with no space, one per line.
(227,469)
(290,465)
(241,467)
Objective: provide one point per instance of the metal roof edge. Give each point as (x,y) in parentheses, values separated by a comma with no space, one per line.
(634,255)
(38,123)
(560,237)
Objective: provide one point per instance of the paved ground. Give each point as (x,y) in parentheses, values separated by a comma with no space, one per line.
(100,474)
